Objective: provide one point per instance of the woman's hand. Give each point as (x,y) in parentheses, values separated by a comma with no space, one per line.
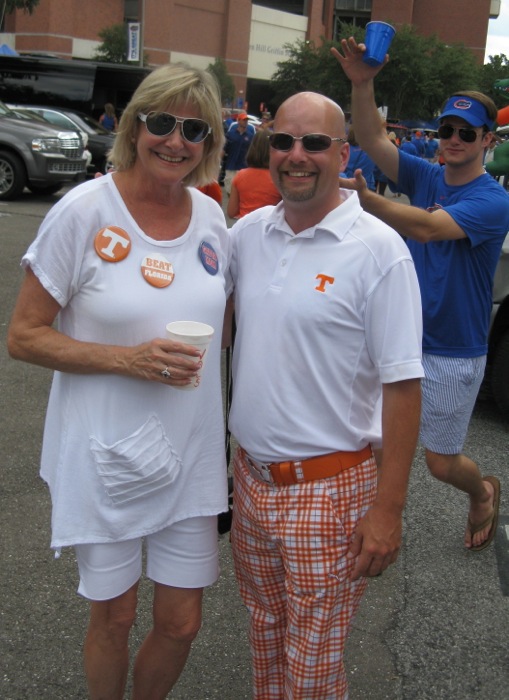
(32,337)
(162,360)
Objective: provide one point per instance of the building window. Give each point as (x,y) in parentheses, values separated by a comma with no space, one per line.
(354,5)
(295,7)
(131,10)
(356,12)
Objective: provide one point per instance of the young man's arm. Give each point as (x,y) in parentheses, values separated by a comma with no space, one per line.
(367,122)
(408,221)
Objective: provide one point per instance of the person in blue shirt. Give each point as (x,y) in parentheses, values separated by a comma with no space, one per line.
(431,151)
(238,139)
(407,146)
(359,159)
(419,144)
(108,118)
(455,229)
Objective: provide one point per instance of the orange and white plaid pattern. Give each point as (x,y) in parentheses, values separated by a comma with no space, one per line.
(290,553)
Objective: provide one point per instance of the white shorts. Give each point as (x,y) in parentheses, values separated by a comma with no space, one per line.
(449,391)
(184,555)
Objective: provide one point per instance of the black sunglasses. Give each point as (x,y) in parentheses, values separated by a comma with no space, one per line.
(163,124)
(313,143)
(445,131)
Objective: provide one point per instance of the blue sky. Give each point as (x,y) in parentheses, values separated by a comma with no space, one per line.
(498,33)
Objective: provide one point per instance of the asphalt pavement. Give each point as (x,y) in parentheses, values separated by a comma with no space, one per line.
(432,627)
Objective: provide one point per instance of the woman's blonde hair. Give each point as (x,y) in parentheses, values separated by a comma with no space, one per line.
(167,88)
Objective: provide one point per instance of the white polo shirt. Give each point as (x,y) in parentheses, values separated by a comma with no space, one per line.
(324,318)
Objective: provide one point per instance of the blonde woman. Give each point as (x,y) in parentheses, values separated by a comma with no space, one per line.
(129,457)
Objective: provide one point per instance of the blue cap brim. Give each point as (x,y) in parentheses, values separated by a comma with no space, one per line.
(466,108)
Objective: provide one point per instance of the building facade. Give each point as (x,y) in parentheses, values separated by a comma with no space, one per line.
(250,36)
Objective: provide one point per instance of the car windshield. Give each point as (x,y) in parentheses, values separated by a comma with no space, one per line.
(31,116)
(5,111)
(90,124)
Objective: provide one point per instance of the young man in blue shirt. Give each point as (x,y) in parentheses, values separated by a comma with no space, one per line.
(455,230)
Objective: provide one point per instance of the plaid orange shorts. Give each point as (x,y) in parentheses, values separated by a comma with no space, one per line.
(290,548)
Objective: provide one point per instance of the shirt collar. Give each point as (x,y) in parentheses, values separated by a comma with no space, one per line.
(337,222)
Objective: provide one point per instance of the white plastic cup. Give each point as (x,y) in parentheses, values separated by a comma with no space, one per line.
(378,38)
(191,333)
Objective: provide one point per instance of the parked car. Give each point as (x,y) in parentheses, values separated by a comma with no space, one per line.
(497,374)
(36,155)
(99,139)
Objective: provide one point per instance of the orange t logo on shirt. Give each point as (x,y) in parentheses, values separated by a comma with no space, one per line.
(324,279)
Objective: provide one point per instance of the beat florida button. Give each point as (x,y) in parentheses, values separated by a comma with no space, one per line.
(157,270)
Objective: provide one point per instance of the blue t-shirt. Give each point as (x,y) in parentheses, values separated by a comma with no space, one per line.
(108,122)
(360,159)
(237,145)
(420,146)
(456,276)
(409,147)
(431,148)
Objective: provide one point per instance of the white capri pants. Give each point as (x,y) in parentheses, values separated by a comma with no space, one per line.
(183,555)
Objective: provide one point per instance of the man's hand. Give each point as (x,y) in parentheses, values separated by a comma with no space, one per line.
(352,63)
(376,542)
(359,184)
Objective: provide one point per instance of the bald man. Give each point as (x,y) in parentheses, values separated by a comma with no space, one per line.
(327,360)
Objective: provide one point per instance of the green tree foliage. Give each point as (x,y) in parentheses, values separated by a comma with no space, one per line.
(8,6)
(311,67)
(25,5)
(496,69)
(114,44)
(224,80)
(421,73)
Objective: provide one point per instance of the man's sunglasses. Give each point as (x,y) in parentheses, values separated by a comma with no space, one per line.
(445,131)
(163,124)
(313,143)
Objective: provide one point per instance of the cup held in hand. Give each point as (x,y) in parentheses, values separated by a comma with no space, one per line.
(191,333)
(379,36)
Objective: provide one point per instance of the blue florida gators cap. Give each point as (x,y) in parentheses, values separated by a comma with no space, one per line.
(467,108)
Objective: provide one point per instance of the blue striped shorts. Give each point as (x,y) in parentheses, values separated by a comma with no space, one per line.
(449,391)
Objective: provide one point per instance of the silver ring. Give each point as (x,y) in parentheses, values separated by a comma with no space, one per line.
(166,373)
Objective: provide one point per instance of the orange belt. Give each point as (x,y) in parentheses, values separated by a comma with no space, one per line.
(323,467)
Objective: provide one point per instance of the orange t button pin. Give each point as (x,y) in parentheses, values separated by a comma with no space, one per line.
(112,244)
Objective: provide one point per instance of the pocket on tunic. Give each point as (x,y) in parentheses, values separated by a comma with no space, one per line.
(138,465)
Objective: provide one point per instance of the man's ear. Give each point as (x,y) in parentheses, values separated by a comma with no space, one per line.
(345,156)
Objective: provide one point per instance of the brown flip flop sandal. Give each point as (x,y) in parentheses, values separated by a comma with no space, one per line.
(493,518)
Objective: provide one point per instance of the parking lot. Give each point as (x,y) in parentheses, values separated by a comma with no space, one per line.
(433,627)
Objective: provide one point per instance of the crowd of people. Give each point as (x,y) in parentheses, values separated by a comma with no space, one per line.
(135,459)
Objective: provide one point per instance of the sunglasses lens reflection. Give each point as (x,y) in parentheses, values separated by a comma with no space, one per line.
(314,143)
(281,142)
(446,131)
(163,124)
(195,130)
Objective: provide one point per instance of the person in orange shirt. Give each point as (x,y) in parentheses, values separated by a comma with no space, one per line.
(252,187)
(213,189)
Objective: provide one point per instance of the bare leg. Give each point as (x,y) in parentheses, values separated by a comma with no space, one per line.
(106,645)
(163,654)
(464,474)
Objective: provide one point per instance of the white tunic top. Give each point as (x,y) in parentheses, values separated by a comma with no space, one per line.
(323,319)
(125,457)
